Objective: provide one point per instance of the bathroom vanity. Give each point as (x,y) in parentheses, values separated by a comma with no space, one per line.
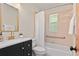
(16,47)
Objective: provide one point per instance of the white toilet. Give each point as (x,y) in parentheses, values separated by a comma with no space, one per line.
(39,51)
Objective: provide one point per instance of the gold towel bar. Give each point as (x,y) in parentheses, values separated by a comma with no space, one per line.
(55,37)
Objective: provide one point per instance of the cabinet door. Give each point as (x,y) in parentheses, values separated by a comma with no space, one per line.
(18,49)
(8,51)
(15,50)
(21,49)
(28,48)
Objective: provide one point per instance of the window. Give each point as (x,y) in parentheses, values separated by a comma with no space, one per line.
(53,18)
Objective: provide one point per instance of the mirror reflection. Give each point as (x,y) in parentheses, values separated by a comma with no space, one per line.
(9,18)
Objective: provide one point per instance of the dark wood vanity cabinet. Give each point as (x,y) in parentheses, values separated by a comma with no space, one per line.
(20,49)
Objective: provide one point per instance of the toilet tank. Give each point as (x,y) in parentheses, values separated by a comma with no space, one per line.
(34,42)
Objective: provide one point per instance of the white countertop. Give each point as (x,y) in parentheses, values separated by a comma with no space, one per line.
(6,43)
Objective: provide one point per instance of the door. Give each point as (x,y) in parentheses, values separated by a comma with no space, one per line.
(77,38)
(57,21)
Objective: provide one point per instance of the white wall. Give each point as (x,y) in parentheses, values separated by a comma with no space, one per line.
(26,20)
(39,27)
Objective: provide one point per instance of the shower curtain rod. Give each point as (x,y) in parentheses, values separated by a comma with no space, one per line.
(63,5)
(60,6)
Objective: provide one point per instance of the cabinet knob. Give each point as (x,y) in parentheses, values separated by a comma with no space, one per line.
(23,48)
(28,54)
(16,54)
(28,44)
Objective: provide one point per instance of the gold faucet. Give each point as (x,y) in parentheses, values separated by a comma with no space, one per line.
(1,37)
(10,37)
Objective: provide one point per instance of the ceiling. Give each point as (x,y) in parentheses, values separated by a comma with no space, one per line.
(43,6)
(16,5)
(38,6)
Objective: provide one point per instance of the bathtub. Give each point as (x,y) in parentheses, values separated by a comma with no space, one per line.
(57,50)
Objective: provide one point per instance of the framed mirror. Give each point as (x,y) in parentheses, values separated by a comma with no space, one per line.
(9,18)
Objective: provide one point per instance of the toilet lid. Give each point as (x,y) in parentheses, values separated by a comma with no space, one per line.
(39,49)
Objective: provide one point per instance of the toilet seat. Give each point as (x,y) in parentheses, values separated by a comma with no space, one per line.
(40,49)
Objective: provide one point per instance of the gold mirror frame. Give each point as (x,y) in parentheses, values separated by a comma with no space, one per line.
(0,18)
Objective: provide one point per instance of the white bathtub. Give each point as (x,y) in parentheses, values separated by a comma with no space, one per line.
(57,50)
